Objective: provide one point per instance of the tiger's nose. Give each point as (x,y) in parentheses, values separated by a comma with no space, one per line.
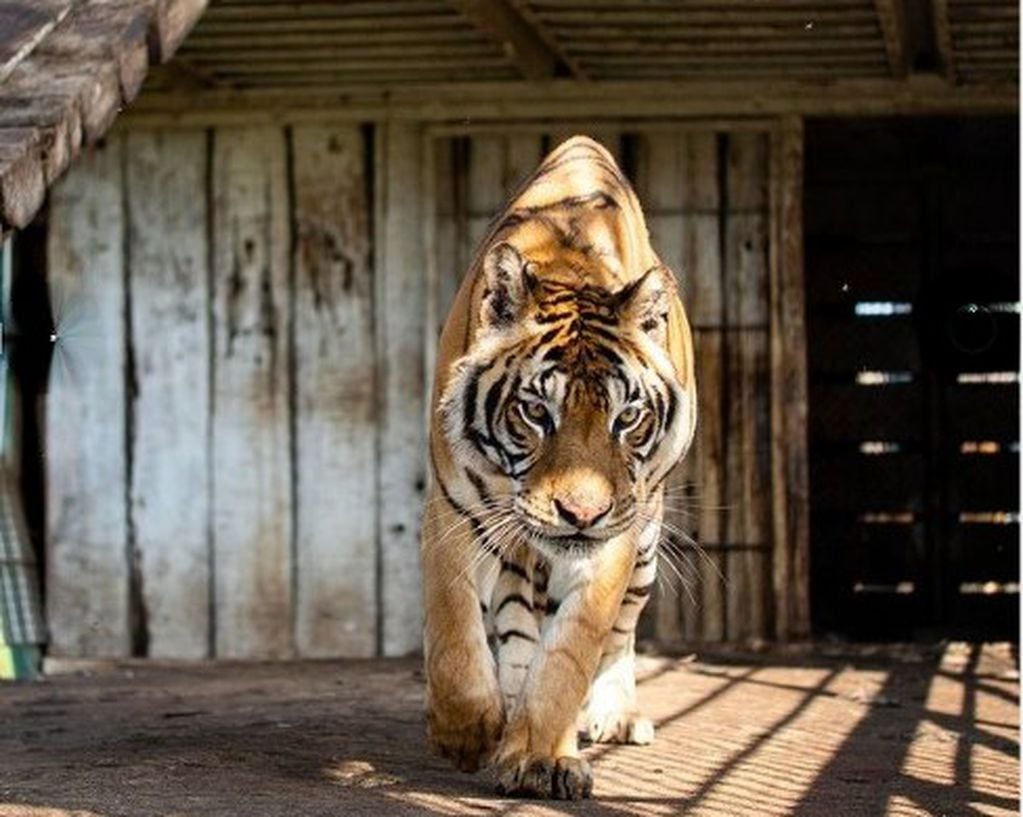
(582,511)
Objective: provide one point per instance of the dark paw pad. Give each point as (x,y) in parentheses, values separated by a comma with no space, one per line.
(573,779)
(532,779)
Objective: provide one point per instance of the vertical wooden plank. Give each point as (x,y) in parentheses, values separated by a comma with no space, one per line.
(335,406)
(486,194)
(789,446)
(747,468)
(168,286)
(86,463)
(251,447)
(524,152)
(659,184)
(447,253)
(402,389)
(748,409)
(701,261)
(709,451)
(678,186)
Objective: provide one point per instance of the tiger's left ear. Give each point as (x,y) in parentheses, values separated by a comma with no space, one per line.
(509,282)
(645,302)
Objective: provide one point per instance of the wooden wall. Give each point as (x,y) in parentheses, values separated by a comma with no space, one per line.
(247,319)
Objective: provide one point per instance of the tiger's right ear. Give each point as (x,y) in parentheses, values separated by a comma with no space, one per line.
(508,284)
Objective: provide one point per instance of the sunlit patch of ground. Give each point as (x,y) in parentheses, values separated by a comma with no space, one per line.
(901,732)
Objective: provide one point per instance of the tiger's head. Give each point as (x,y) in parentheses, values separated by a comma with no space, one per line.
(567,408)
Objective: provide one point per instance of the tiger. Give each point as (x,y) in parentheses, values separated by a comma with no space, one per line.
(563,396)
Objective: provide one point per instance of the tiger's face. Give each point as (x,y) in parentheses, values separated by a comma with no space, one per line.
(567,412)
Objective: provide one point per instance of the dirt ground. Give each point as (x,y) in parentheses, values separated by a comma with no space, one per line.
(917,732)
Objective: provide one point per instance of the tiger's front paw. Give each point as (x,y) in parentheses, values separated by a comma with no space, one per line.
(467,733)
(566,778)
(617,726)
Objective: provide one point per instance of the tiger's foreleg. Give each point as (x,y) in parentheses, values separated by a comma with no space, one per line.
(611,714)
(464,710)
(538,754)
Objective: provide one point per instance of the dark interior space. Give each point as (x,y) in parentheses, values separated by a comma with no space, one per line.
(912,277)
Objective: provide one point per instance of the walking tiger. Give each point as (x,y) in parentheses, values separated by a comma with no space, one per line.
(564,395)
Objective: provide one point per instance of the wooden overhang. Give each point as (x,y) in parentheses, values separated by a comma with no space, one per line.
(67,67)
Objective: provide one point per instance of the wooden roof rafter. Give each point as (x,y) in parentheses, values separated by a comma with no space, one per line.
(891,16)
(532,50)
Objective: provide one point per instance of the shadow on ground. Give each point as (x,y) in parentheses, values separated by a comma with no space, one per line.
(920,733)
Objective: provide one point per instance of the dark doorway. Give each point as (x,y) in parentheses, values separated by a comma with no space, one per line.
(913,310)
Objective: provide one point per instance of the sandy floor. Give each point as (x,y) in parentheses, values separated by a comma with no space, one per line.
(860,734)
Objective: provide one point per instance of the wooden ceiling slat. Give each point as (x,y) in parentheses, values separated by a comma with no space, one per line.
(409,66)
(545,6)
(342,56)
(757,14)
(288,11)
(820,46)
(321,25)
(203,41)
(794,31)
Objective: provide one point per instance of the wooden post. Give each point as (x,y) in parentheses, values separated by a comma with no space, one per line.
(335,397)
(789,447)
(168,276)
(86,467)
(400,324)
(252,511)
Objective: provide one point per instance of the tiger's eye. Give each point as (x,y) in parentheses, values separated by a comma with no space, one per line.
(628,416)
(534,411)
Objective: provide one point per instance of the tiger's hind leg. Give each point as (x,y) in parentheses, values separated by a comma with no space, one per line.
(611,714)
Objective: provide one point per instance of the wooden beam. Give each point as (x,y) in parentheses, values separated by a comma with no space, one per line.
(789,403)
(519,41)
(892,19)
(943,39)
(568,100)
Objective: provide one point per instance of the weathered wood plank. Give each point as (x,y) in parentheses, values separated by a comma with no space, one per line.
(789,446)
(746,270)
(22,176)
(485,189)
(251,462)
(24,26)
(748,479)
(524,152)
(59,124)
(658,185)
(892,19)
(170,342)
(709,493)
(109,31)
(86,469)
(402,388)
(335,405)
(92,87)
(171,22)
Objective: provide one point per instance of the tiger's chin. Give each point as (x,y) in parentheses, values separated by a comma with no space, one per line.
(571,546)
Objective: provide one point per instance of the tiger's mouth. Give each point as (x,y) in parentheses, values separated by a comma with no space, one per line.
(574,544)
